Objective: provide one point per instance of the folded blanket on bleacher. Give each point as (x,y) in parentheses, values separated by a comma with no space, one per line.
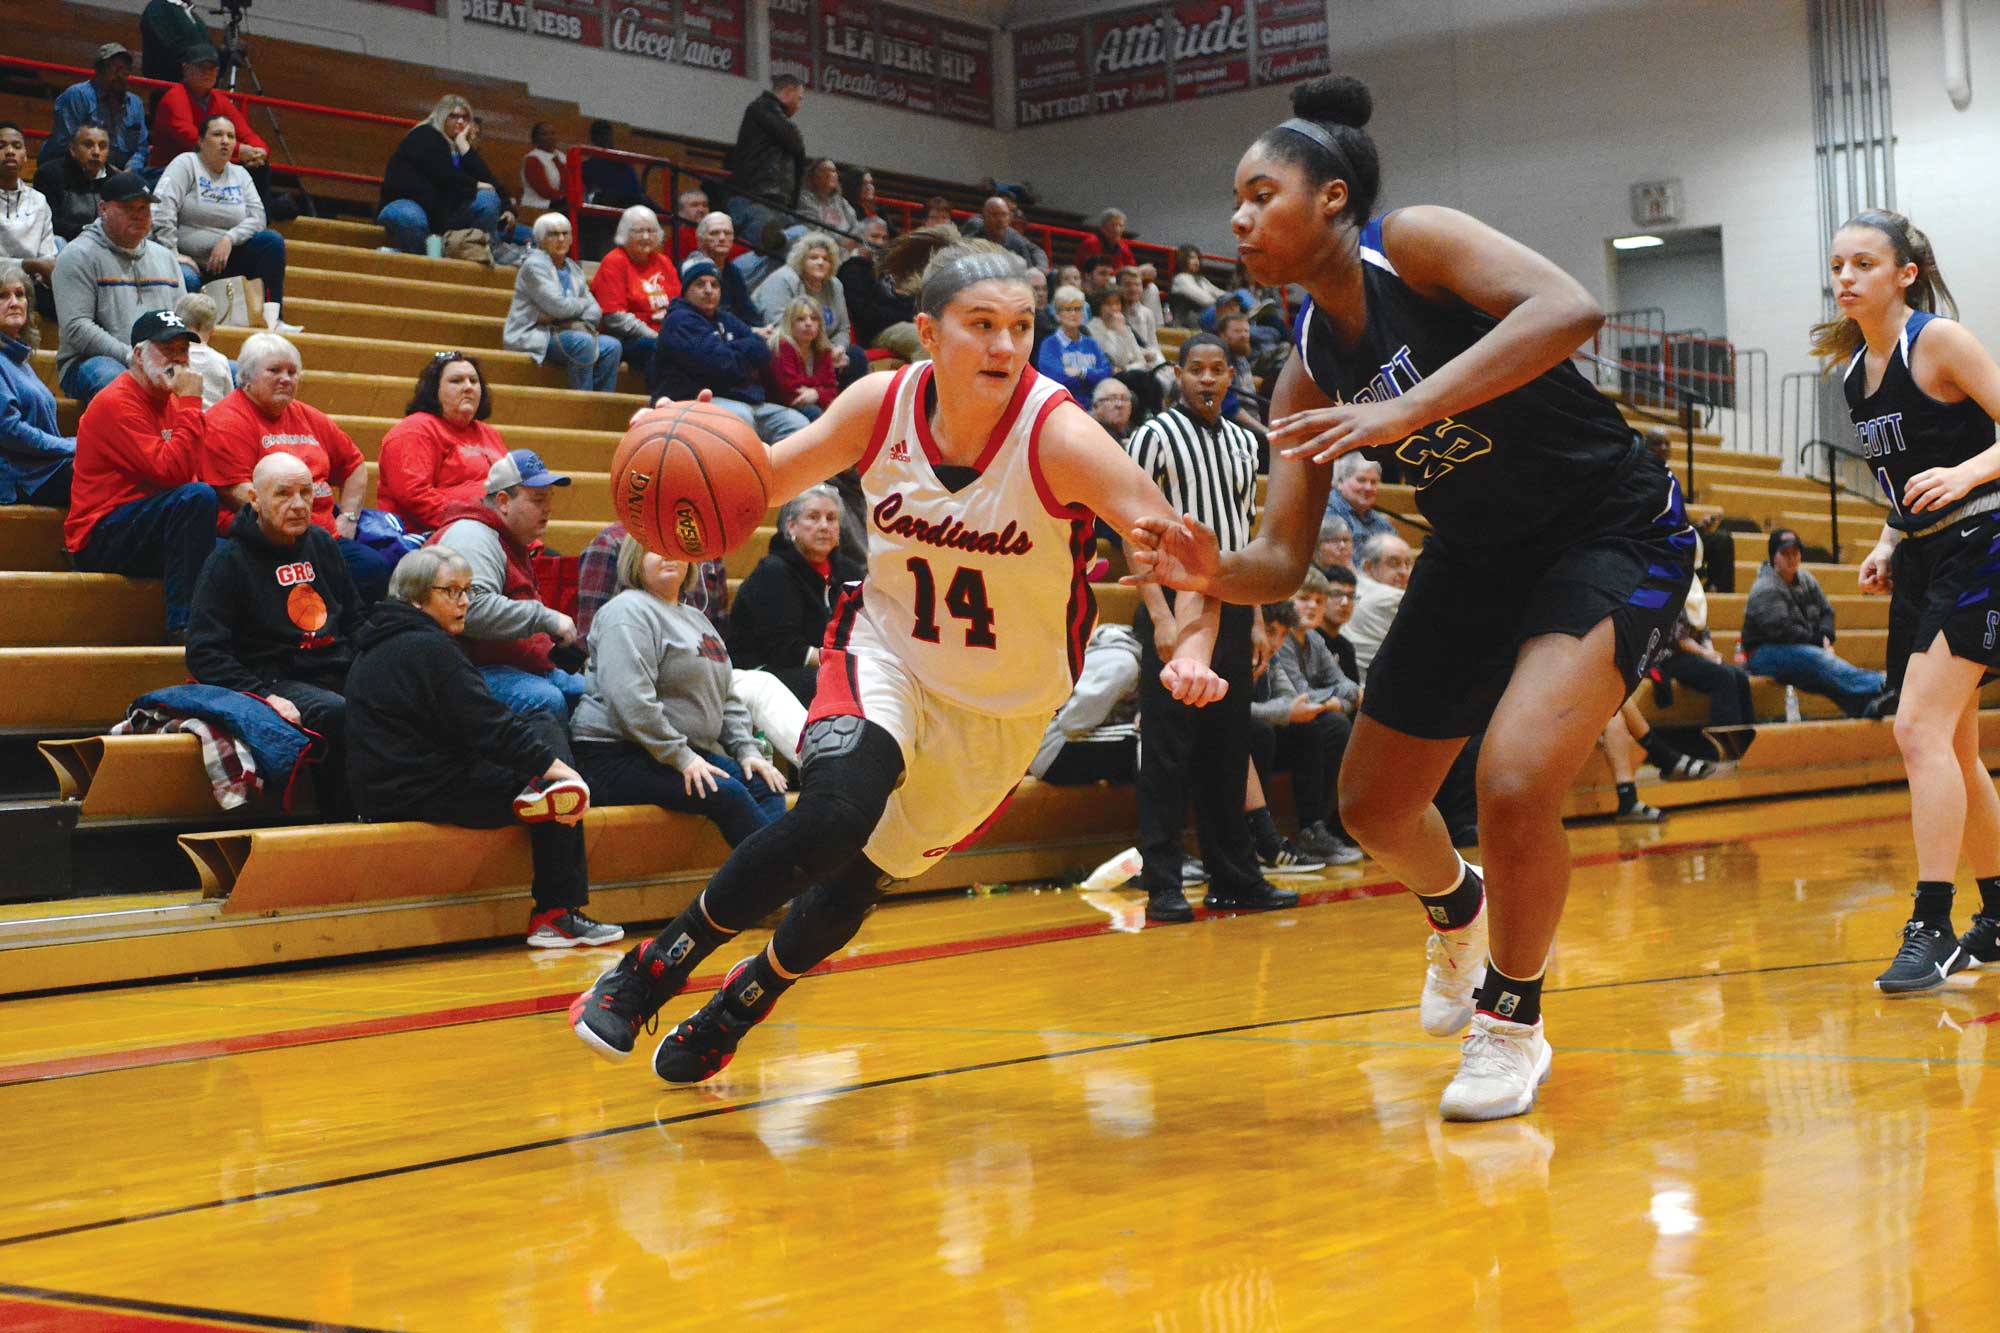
(242,738)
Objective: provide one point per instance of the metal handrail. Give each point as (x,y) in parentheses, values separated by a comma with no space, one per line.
(1834,489)
(1690,399)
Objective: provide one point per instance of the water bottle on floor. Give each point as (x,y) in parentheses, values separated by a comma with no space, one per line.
(1791,704)
(1114,872)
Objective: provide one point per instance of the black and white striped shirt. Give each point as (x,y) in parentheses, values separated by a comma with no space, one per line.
(1207,471)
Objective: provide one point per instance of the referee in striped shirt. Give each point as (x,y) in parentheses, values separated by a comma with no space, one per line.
(1206,467)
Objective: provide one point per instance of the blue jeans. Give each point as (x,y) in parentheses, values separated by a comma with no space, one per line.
(408,224)
(1819,670)
(524,692)
(639,353)
(771,422)
(590,358)
(261,257)
(621,774)
(166,536)
(85,379)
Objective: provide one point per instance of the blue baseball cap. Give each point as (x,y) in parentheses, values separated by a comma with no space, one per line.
(521,467)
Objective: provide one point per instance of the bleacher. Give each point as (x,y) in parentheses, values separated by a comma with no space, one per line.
(251,886)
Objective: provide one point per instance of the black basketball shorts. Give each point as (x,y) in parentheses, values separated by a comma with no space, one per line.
(1450,652)
(1948,583)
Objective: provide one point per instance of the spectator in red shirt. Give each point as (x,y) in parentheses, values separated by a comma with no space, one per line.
(1109,242)
(135,505)
(802,370)
(262,417)
(635,284)
(435,459)
(186,106)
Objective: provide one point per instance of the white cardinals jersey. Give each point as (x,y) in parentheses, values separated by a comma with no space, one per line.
(979,592)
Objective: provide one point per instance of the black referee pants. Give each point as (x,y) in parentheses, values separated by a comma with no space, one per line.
(1198,752)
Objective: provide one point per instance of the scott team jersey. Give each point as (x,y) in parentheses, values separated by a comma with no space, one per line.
(1904,431)
(1504,472)
(979,591)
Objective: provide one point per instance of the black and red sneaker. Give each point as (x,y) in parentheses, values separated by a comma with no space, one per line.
(702,1044)
(608,1016)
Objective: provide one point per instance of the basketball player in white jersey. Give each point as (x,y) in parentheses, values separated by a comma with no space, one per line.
(939,671)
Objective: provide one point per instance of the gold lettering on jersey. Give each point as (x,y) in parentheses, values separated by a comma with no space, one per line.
(951,534)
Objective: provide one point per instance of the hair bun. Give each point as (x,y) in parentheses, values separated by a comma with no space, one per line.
(1336,99)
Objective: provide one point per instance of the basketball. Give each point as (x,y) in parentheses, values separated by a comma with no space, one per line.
(690,481)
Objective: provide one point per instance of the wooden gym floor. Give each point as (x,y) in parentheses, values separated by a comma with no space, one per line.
(1021,1112)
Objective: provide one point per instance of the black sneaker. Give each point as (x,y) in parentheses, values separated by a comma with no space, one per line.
(1261,897)
(1927,957)
(1168,905)
(1981,944)
(1289,860)
(702,1044)
(608,1016)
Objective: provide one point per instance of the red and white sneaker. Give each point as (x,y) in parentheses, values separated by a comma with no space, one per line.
(566,927)
(541,801)
(1456,965)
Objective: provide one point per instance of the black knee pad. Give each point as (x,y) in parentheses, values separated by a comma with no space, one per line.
(848,769)
(829,914)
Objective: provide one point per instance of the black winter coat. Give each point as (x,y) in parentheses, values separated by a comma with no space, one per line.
(263,613)
(780,611)
(420,718)
(421,170)
(768,161)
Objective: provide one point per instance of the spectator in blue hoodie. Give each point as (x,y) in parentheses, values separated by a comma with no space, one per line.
(1070,356)
(703,346)
(35,457)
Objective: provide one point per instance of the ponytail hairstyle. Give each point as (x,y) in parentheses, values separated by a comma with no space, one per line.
(1326,138)
(1838,339)
(944,264)
(782,331)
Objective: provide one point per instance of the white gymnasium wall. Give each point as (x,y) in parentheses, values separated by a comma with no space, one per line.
(1540,125)
(1688,287)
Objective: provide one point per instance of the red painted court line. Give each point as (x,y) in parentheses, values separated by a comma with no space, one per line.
(210,1048)
(19,1316)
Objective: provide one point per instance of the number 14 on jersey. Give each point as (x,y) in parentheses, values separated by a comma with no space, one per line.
(964,598)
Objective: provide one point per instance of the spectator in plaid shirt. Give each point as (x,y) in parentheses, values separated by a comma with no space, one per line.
(706,590)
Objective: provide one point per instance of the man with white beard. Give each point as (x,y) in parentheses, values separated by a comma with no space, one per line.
(136,506)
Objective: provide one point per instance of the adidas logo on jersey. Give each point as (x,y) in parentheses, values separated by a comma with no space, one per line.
(899,452)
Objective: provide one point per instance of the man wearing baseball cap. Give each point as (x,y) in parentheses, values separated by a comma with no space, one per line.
(509,634)
(185,108)
(1788,632)
(135,505)
(104,97)
(111,274)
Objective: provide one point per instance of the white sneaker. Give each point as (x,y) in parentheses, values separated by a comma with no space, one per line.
(1500,1067)
(1457,961)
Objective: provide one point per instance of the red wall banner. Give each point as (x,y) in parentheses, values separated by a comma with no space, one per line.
(701,34)
(886,55)
(1165,52)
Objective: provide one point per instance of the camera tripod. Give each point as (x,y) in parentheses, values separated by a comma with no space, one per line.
(236,60)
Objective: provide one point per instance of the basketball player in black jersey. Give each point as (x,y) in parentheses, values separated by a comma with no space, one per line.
(1560,553)
(1924,396)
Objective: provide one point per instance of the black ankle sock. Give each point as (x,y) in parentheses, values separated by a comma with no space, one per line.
(1504,997)
(1989,896)
(1263,832)
(1628,796)
(1933,903)
(1456,907)
(1663,755)
(753,991)
(690,938)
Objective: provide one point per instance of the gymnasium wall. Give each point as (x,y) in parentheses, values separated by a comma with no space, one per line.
(1540,127)
(634,89)
(1536,115)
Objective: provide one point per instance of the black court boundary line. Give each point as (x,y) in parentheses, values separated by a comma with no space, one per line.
(821,1094)
(168,1308)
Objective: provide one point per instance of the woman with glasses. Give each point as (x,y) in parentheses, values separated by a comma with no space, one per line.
(436,458)
(635,284)
(427,740)
(1070,356)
